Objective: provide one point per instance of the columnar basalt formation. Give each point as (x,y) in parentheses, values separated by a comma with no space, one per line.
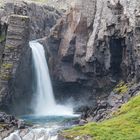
(15,48)
(42,17)
(25,21)
(137,45)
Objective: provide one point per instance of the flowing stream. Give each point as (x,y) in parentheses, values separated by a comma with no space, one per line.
(49,117)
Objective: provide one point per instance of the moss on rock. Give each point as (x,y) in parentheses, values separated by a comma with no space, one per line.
(2,38)
(5,72)
(121,88)
(125,125)
(5,76)
(9,47)
(7,66)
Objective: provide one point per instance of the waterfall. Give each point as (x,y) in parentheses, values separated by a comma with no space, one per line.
(45,103)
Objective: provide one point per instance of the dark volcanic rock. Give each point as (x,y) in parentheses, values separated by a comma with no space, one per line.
(15,48)
(9,124)
(42,17)
(20,22)
(94,48)
(105,107)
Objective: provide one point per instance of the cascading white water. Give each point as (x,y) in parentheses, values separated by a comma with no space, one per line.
(34,134)
(45,101)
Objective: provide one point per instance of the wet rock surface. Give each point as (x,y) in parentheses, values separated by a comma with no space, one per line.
(8,124)
(92,46)
(105,107)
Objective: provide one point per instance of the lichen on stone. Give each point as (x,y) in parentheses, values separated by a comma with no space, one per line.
(10,47)
(7,66)
(4,76)
(2,38)
(121,88)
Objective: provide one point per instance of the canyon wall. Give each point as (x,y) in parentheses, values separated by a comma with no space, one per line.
(20,22)
(92,46)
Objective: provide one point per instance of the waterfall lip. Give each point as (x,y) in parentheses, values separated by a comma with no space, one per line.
(33,41)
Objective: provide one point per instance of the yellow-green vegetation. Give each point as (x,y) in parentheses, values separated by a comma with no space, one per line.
(24,18)
(125,125)
(1,4)
(121,88)
(7,66)
(2,125)
(5,77)
(9,47)
(2,38)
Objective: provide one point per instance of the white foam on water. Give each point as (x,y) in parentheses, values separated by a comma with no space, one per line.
(13,136)
(35,134)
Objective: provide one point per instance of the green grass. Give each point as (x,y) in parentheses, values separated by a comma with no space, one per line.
(125,125)
(121,88)
(2,38)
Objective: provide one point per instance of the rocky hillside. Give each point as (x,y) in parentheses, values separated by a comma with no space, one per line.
(123,126)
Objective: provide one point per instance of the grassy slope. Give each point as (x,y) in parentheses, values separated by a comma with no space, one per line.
(125,125)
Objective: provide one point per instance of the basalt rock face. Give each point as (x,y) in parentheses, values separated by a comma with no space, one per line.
(94,46)
(20,22)
(42,17)
(11,57)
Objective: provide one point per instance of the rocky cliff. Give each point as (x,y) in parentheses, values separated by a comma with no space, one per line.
(89,50)
(20,22)
(94,46)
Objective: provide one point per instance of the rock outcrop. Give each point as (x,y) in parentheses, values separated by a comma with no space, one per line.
(15,48)
(20,22)
(42,17)
(9,124)
(93,46)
